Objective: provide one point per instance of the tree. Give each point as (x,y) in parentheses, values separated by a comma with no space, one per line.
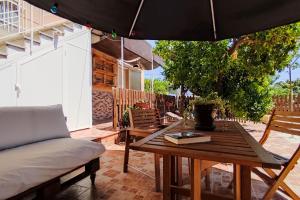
(282,88)
(238,69)
(178,61)
(159,86)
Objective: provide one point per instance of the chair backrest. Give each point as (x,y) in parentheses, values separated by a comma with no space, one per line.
(144,119)
(284,122)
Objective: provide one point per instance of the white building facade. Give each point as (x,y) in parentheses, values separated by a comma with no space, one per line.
(53,67)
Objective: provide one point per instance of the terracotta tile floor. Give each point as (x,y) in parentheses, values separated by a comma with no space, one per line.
(113,184)
(103,130)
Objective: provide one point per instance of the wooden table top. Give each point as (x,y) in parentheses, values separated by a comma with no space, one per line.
(230,143)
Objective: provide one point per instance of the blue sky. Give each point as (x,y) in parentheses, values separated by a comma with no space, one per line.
(157,73)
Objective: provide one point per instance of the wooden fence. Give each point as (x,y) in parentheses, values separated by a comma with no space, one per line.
(284,103)
(124,98)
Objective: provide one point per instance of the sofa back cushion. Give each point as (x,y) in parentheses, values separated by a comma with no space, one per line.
(24,125)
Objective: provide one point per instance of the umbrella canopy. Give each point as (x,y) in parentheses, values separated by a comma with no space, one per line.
(177,19)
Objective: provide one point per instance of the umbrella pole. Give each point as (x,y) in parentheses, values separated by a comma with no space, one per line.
(122,62)
(152,78)
(135,18)
(213,18)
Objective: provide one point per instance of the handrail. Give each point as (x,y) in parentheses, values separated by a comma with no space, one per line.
(9,13)
(19,18)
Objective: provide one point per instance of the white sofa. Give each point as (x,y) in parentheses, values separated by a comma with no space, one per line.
(36,150)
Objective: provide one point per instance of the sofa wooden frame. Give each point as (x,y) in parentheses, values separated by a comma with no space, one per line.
(49,189)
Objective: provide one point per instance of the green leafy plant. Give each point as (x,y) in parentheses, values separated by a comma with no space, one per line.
(125,119)
(125,122)
(211,99)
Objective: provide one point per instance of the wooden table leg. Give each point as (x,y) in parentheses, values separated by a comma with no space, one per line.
(237,181)
(173,175)
(179,170)
(166,177)
(196,179)
(157,171)
(242,182)
(245,182)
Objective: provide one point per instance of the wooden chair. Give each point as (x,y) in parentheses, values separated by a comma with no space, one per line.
(142,124)
(289,123)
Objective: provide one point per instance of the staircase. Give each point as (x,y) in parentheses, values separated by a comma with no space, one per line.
(18,18)
(18,42)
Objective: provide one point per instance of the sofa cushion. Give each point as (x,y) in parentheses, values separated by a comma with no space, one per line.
(24,125)
(30,165)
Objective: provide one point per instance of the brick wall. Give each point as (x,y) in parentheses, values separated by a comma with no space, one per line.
(102,106)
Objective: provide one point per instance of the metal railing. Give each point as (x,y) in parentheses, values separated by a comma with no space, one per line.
(19,17)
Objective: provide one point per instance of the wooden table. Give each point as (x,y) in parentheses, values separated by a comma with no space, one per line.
(231,143)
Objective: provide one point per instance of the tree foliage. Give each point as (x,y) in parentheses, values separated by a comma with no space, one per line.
(282,88)
(159,86)
(238,69)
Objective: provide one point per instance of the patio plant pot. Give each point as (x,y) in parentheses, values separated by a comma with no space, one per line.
(204,117)
(142,105)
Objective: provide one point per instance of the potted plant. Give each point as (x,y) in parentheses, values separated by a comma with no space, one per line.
(123,123)
(205,111)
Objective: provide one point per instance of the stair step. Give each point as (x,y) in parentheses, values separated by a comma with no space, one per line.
(48,33)
(59,29)
(3,50)
(19,43)
(36,38)
(69,25)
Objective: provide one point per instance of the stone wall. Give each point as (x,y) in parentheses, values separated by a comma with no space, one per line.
(102,106)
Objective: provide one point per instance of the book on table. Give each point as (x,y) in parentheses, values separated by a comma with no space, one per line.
(187,137)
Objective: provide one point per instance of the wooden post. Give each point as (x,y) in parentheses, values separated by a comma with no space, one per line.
(291,102)
(115,108)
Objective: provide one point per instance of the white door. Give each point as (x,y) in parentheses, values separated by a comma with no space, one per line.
(7,85)
(79,89)
(41,80)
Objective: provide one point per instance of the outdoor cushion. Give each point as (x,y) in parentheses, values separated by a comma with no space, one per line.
(30,165)
(24,125)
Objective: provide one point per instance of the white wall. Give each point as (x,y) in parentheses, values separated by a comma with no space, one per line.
(8,96)
(52,75)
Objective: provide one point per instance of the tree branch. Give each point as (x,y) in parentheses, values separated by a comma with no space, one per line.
(238,42)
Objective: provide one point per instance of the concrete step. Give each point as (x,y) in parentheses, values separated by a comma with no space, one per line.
(36,38)
(18,43)
(49,33)
(3,50)
(60,30)
(69,25)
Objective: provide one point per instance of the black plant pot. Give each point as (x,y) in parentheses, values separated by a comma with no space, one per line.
(204,117)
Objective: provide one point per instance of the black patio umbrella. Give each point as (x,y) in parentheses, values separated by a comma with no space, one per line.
(176,19)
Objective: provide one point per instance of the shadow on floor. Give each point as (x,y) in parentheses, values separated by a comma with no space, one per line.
(138,183)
